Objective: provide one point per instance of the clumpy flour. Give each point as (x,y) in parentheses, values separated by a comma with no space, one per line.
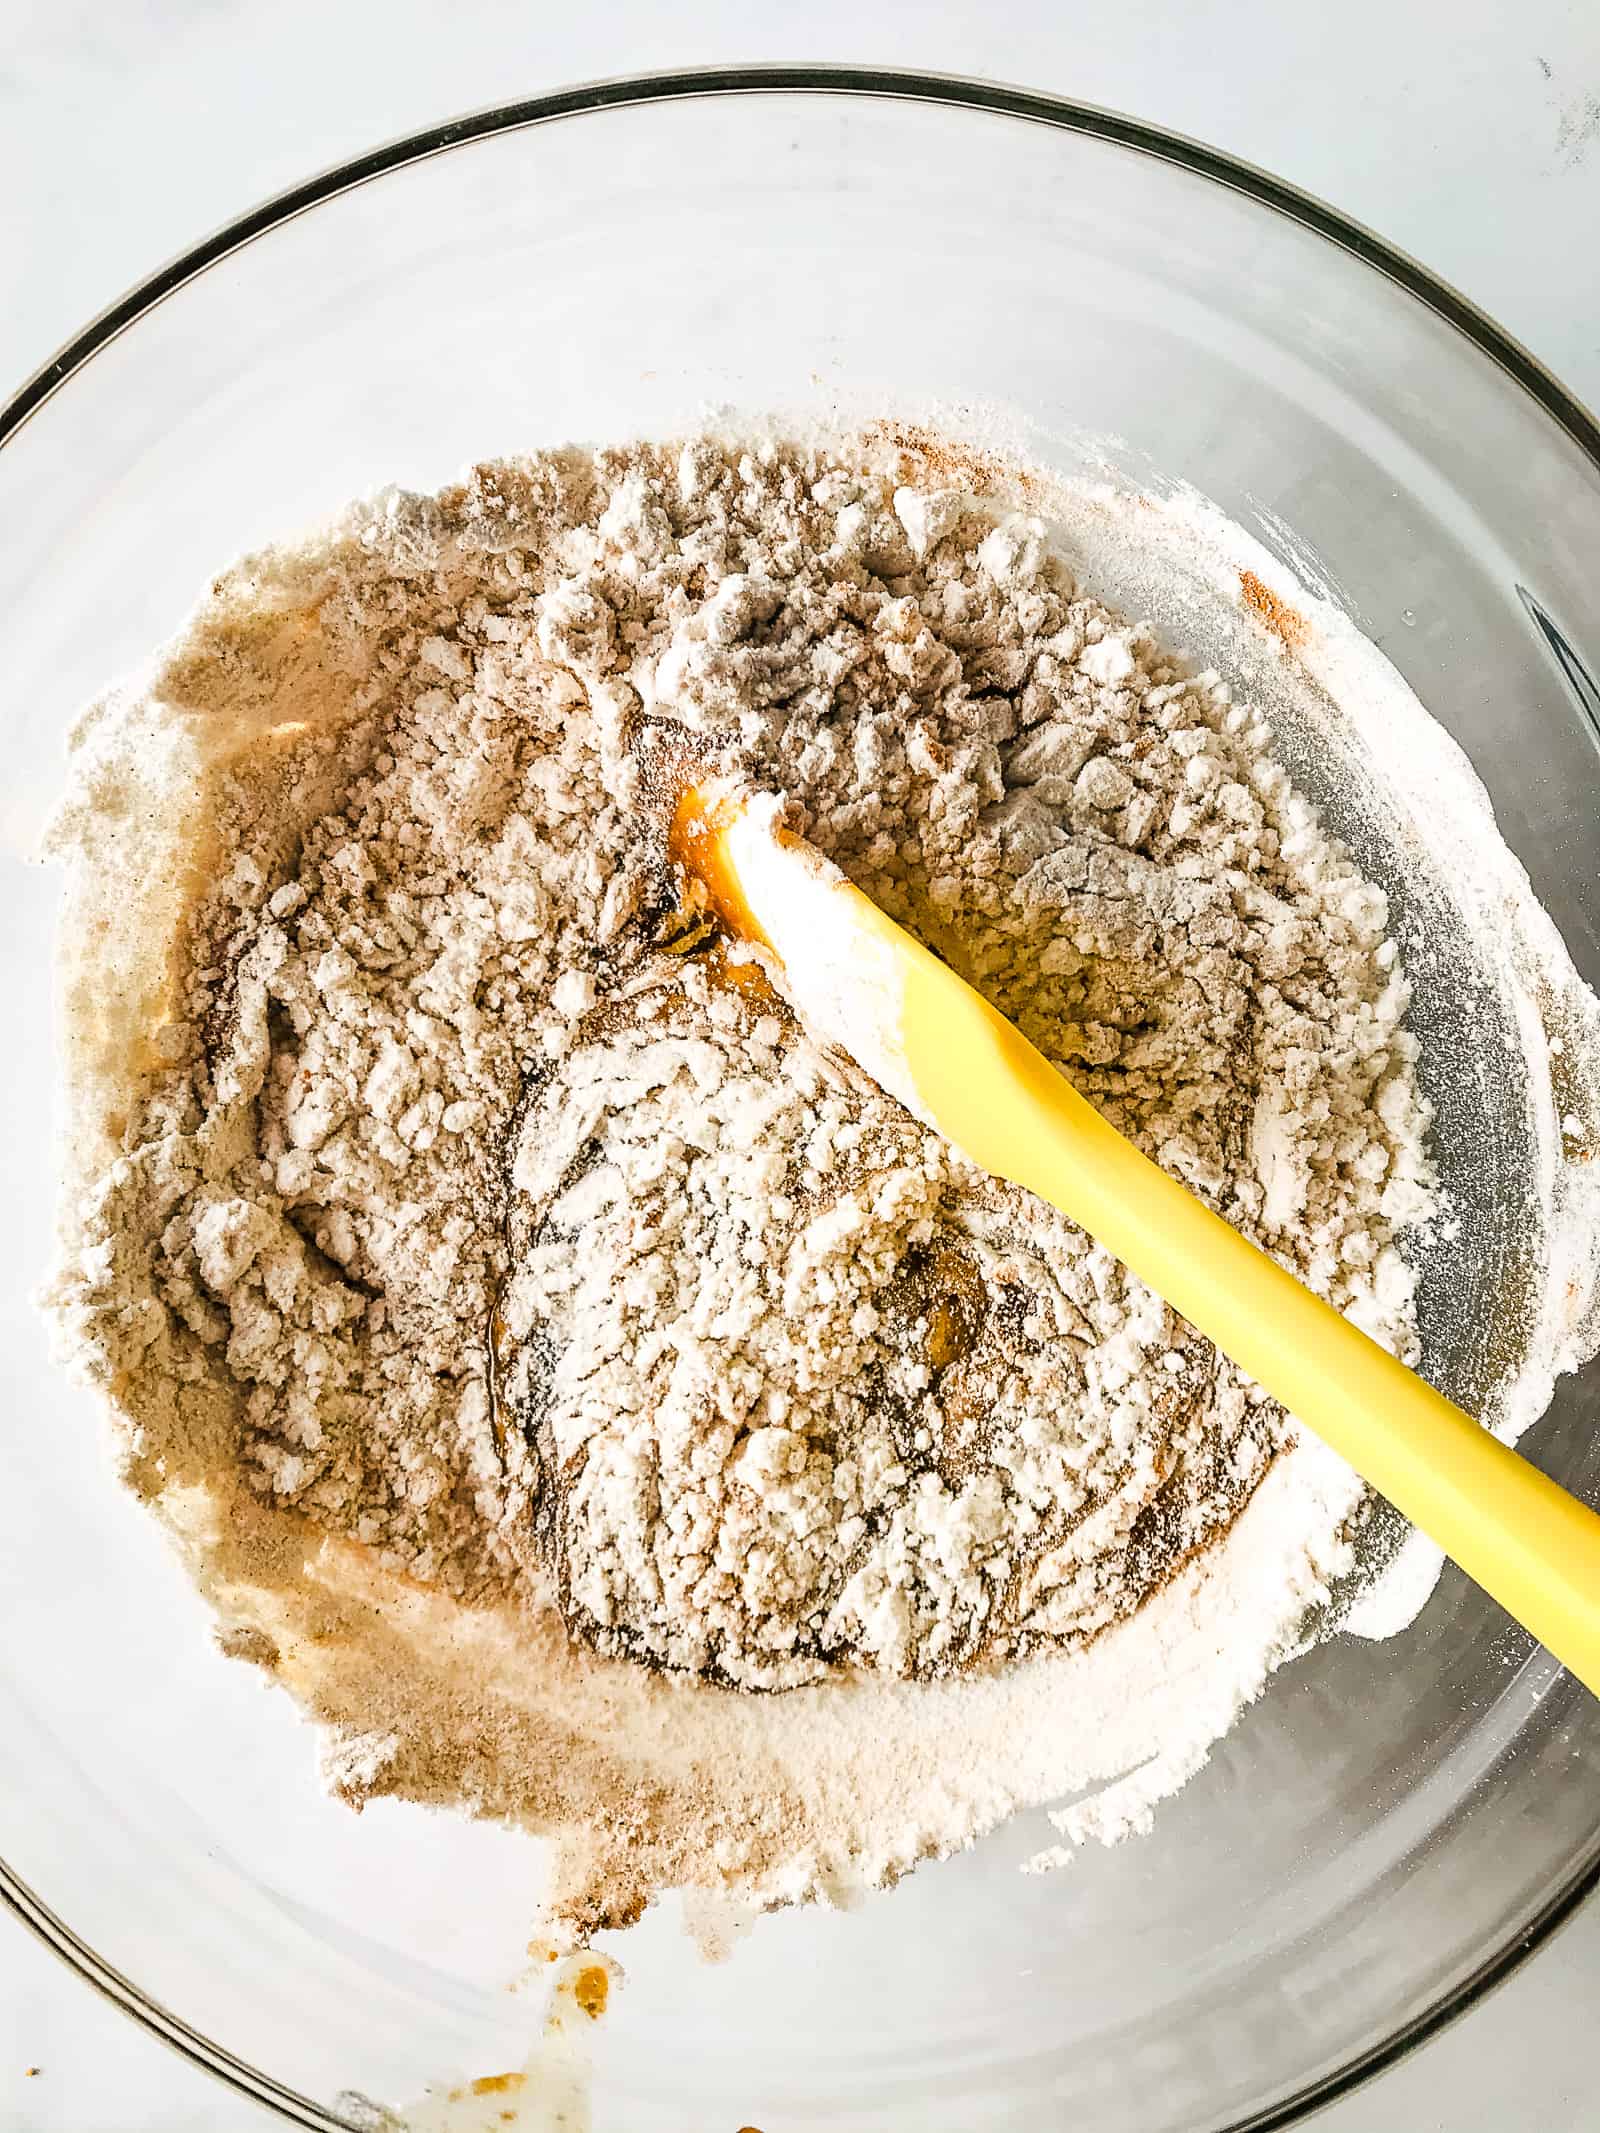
(601,1406)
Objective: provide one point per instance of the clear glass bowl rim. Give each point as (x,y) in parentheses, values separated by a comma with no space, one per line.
(962,93)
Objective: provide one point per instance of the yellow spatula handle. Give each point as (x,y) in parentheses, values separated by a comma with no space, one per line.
(1523,1538)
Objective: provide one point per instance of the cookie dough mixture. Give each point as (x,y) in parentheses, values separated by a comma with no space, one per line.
(598,1404)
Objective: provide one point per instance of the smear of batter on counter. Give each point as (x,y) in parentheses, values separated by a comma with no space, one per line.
(536,1343)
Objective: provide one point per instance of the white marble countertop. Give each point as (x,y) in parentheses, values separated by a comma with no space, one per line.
(1467,131)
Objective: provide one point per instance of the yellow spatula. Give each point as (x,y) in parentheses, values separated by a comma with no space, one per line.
(861,982)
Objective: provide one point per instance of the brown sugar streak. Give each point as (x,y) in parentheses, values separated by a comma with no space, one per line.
(1286,623)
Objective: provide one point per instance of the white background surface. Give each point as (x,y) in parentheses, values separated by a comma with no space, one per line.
(1467,131)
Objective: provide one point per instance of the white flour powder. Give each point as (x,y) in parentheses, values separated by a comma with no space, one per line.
(534,1338)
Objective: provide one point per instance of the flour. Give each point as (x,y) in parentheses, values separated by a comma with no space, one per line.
(468,1218)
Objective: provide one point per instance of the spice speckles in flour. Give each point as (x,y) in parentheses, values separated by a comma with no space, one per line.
(533,1336)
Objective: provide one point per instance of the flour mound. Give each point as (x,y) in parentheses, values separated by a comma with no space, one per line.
(461,1215)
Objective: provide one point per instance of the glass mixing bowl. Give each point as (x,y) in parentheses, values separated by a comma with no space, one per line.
(1394,1824)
